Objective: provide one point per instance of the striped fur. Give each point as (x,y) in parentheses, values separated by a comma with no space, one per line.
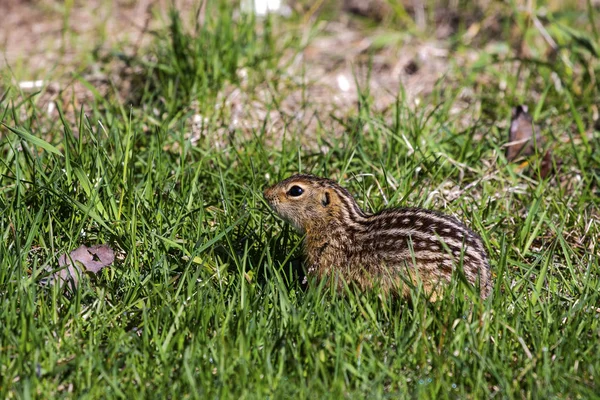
(392,247)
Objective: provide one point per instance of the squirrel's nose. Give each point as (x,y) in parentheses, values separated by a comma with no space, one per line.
(269,191)
(268,194)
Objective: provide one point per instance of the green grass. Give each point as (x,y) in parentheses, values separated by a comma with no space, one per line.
(205,299)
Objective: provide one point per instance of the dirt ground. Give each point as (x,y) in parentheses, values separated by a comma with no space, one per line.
(40,41)
(37,39)
(37,33)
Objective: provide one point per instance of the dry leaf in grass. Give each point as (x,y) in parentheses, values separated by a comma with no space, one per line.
(81,260)
(520,136)
(524,141)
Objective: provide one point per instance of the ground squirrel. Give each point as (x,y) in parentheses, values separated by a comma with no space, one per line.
(390,249)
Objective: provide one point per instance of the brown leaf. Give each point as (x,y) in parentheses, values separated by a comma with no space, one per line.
(81,260)
(521,133)
(524,141)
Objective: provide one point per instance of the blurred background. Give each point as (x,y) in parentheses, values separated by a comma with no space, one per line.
(385,46)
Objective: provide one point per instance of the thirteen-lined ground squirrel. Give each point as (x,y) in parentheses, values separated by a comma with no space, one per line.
(388,248)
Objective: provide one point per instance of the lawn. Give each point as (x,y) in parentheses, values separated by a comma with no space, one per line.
(160,149)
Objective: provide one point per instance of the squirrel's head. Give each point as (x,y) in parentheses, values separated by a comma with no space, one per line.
(309,202)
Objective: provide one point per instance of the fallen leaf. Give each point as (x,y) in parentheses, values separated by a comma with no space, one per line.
(81,260)
(521,133)
(524,141)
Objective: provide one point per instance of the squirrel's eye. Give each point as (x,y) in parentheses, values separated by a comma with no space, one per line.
(295,191)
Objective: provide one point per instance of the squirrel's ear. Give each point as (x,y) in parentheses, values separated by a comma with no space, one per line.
(325,199)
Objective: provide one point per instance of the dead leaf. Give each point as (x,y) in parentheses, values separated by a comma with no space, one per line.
(81,260)
(524,141)
(521,133)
